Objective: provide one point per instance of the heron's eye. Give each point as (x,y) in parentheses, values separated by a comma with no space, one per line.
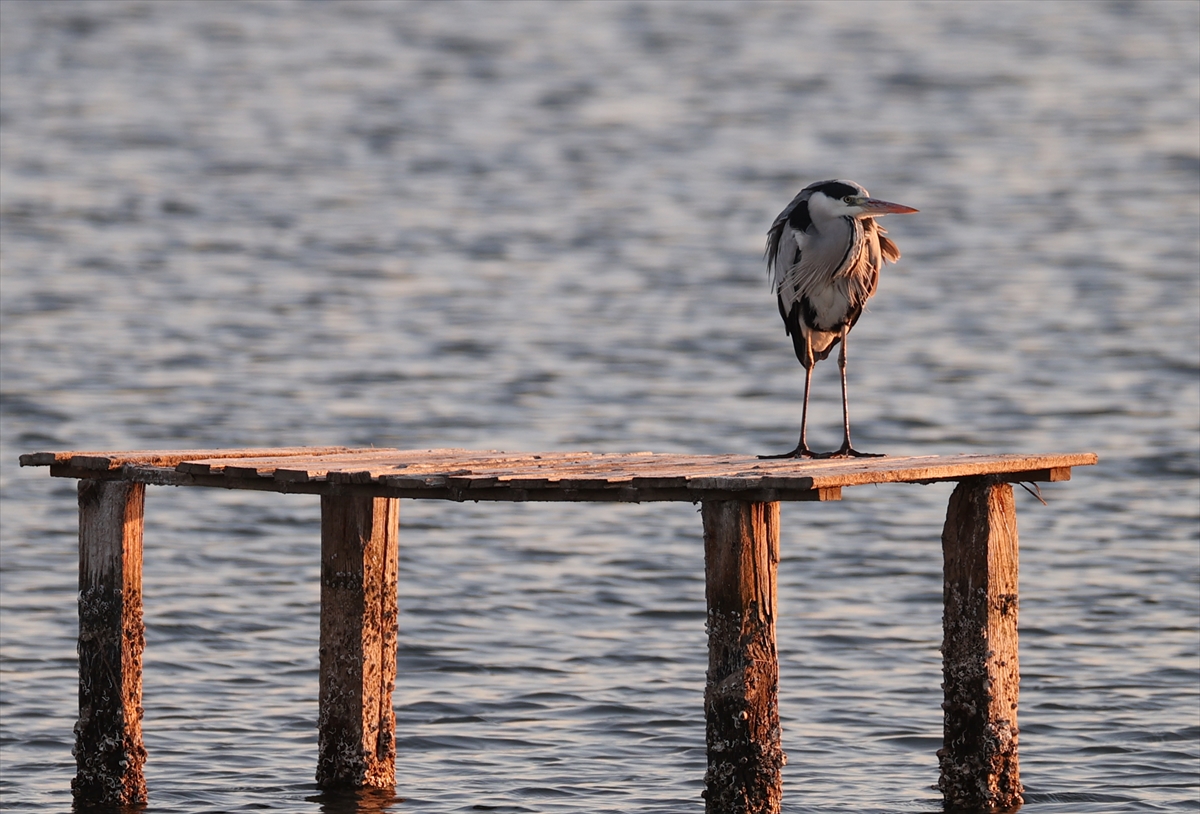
(849,199)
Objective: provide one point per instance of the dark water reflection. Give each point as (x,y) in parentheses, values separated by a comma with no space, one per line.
(361,801)
(536,226)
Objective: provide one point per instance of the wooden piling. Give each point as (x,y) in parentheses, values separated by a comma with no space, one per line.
(741,708)
(356,722)
(109,754)
(978,758)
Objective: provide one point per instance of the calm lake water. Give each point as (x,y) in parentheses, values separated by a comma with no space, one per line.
(534,226)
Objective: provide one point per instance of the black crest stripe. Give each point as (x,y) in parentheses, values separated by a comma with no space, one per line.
(836,189)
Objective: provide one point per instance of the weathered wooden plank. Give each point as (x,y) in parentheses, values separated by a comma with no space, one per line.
(435,487)
(109,754)
(955,467)
(414,481)
(590,473)
(554,465)
(729,483)
(380,463)
(978,758)
(669,473)
(236,471)
(497,464)
(581,483)
(292,475)
(111,460)
(355,459)
(347,476)
(356,721)
(741,707)
(658,471)
(525,483)
(659,482)
(785,482)
(1051,475)
(466,475)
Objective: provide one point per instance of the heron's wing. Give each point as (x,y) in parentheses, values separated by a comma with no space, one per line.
(785,238)
(783,253)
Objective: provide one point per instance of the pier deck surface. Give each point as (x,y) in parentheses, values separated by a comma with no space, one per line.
(460,474)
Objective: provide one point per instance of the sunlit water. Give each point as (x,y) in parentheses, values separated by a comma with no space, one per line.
(526,226)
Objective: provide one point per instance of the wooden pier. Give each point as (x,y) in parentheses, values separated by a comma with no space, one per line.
(360,491)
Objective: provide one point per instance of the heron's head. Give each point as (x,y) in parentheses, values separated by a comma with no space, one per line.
(846,199)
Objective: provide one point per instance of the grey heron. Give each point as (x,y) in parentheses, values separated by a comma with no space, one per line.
(824,253)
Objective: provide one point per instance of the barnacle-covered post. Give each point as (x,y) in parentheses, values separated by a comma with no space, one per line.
(741,707)
(978,758)
(355,721)
(109,753)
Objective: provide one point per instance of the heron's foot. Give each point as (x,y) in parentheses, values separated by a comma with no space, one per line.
(849,452)
(801,451)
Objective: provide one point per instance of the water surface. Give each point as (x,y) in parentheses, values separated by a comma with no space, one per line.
(539,227)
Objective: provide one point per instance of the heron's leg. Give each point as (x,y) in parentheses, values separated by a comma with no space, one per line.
(846,450)
(802,447)
(845,398)
(802,450)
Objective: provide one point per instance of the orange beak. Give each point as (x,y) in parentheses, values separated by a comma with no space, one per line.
(874,206)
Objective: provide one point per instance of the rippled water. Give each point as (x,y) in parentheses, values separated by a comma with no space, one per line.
(535,226)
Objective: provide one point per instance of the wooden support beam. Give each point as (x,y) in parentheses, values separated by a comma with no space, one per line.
(356,722)
(109,753)
(741,708)
(978,758)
